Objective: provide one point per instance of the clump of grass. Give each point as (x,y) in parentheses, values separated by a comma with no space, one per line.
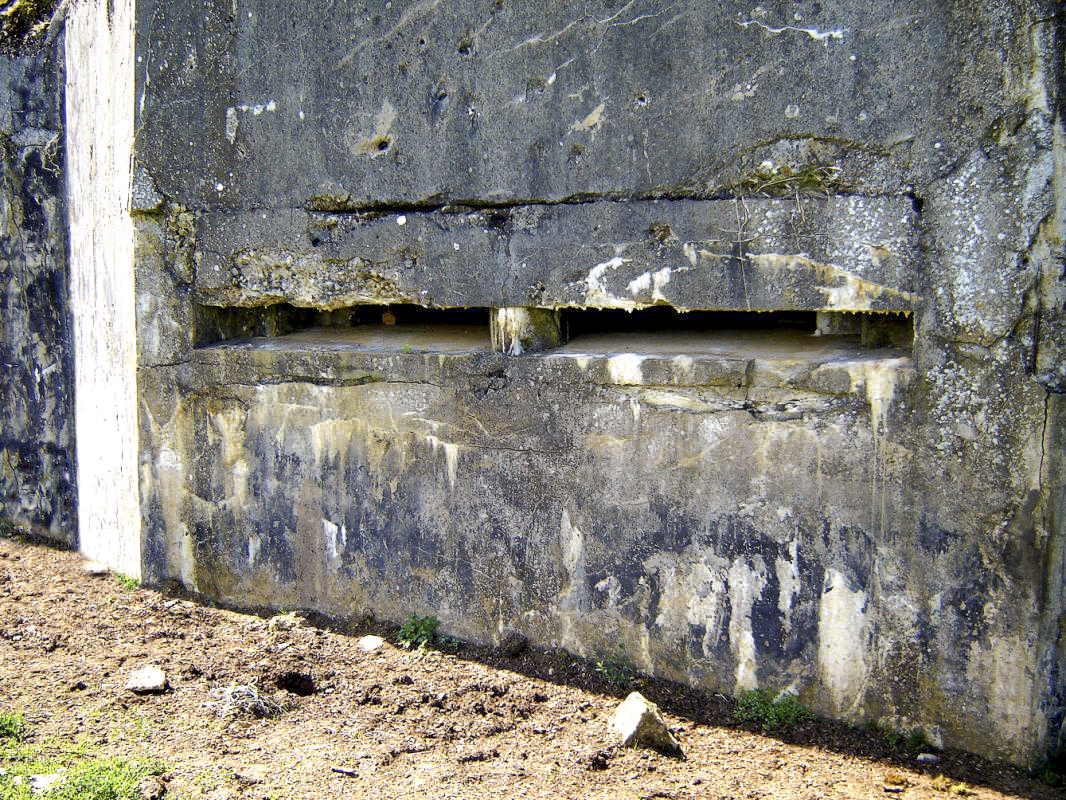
(944,784)
(418,632)
(914,740)
(106,779)
(126,582)
(12,727)
(769,710)
(617,671)
(79,775)
(1053,771)
(1048,776)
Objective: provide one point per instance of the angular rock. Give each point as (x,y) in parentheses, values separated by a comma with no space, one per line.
(147,680)
(94,569)
(639,724)
(368,644)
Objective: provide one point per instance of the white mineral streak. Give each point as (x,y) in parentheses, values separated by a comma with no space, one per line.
(232,120)
(591,123)
(843,642)
(451,456)
(693,593)
(336,537)
(655,281)
(172,492)
(819,36)
(573,596)
(843,291)
(624,369)
(596,292)
(745,585)
(788,579)
(881,382)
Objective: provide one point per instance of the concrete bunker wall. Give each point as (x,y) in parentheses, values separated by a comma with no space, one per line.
(871,519)
(37,464)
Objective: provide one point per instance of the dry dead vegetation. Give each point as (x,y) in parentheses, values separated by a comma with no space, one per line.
(289,710)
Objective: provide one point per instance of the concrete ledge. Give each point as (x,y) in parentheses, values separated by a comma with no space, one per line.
(456,354)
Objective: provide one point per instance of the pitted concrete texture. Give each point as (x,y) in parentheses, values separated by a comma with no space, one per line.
(873,524)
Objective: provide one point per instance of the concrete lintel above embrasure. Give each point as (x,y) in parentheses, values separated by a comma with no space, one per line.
(811,253)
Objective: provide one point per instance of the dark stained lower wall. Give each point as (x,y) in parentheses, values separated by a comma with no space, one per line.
(37,486)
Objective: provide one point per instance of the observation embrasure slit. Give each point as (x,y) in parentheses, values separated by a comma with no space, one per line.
(516,331)
(383,322)
(680,330)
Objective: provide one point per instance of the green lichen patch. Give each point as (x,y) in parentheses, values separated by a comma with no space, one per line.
(786,180)
(22,21)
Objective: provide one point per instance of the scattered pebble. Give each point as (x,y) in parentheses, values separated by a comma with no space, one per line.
(42,783)
(94,568)
(928,758)
(147,680)
(286,622)
(368,644)
(252,774)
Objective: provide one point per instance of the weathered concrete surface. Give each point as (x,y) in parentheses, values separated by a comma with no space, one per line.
(37,465)
(99,141)
(879,531)
(473,100)
(858,253)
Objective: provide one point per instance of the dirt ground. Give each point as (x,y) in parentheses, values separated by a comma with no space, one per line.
(465,722)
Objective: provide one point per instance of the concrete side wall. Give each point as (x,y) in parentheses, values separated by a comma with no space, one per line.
(886,540)
(37,465)
(99,124)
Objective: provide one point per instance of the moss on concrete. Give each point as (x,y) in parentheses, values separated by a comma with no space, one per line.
(24,21)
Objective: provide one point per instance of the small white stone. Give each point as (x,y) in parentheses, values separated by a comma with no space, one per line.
(94,568)
(43,783)
(147,680)
(455,245)
(401,220)
(368,644)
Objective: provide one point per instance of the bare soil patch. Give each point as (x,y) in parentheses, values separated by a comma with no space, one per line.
(465,722)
